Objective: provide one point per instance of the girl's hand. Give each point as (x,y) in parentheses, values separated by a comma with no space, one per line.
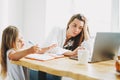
(34,49)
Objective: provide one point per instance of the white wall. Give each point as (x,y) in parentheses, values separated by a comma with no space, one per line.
(58,12)
(115,16)
(0,19)
(99,17)
(15,13)
(3,15)
(119,15)
(11,14)
(28,15)
(34,20)
(98,13)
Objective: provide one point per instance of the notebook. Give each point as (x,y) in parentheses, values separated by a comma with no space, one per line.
(43,57)
(106,46)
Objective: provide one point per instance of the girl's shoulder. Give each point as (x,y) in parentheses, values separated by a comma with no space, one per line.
(10,51)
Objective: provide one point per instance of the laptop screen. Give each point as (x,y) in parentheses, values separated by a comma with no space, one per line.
(105,47)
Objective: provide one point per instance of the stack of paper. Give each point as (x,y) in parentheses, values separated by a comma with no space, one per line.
(43,57)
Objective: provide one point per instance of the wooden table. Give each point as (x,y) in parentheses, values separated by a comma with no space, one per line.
(70,68)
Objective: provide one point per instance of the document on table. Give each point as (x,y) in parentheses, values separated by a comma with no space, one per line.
(43,57)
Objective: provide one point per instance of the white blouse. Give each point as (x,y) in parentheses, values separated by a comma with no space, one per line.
(58,36)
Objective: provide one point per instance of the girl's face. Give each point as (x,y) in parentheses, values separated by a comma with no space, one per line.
(19,42)
(75,27)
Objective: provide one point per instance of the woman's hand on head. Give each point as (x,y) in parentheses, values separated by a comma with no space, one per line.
(85,28)
(86,32)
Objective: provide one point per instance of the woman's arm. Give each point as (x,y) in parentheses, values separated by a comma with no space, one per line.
(68,53)
(45,49)
(72,53)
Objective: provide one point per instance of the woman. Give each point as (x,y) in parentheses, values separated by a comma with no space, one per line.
(69,40)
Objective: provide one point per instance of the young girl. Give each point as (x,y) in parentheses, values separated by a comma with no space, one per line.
(11,44)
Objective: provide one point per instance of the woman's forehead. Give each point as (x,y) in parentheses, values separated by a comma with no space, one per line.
(78,22)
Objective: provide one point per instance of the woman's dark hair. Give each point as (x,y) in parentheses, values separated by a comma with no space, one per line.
(80,37)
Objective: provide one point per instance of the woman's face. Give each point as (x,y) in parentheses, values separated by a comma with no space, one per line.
(19,42)
(75,27)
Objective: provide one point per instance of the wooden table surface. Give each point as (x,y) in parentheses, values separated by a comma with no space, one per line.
(104,70)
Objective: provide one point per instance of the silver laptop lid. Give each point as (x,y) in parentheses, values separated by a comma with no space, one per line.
(106,45)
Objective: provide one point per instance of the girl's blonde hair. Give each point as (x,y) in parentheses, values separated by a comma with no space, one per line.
(8,40)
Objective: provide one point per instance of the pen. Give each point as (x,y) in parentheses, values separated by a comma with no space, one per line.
(31,42)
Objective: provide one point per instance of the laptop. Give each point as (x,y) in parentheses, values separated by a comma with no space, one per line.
(106,46)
